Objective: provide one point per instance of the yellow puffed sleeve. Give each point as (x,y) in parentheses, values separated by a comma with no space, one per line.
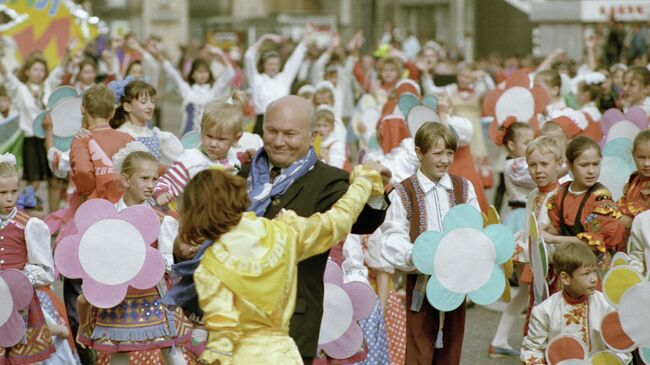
(320,231)
(220,315)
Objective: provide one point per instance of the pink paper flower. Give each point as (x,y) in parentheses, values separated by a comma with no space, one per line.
(344,304)
(111,251)
(16,293)
(615,124)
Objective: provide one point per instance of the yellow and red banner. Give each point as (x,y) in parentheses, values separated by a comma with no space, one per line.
(48,26)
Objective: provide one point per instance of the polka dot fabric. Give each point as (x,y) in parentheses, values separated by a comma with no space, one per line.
(396,327)
(374,334)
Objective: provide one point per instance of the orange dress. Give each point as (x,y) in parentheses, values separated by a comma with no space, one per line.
(592,216)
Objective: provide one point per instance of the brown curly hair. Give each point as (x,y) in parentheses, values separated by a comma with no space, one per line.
(32,58)
(213,202)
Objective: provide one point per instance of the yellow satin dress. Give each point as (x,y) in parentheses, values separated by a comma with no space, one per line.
(246,282)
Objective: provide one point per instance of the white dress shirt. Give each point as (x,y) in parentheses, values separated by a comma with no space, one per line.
(396,245)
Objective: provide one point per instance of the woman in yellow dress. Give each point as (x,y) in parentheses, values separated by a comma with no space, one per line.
(246,280)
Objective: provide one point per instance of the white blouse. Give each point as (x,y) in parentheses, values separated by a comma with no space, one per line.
(199,95)
(40,262)
(518,182)
(24,101)
(333,151)
(267,89)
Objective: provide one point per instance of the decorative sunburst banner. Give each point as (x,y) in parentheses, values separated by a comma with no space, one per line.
(48,26)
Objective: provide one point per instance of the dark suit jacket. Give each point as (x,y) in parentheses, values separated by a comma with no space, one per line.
(316,192)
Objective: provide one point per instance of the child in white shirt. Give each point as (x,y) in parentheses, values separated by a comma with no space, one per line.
(577,310)
(221,129)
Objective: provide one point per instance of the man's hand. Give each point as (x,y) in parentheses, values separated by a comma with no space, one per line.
(381,169)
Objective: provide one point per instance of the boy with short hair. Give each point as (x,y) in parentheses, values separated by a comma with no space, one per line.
(434,189)
(577,310)
(545,164)
(90,156)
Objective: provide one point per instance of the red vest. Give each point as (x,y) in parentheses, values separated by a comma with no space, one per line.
(13,249)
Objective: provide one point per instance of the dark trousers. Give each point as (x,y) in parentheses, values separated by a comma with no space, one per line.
(422,330)
(307,360)
(71,291)
(500,192)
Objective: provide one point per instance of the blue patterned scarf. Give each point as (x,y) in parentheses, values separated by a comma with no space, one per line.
(260,188)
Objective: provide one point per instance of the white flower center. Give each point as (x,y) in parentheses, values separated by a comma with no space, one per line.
(112,251)
(516,101)
(464,260)
(337,313)
(623,128)
(68,110)
(635,318)
(7,302)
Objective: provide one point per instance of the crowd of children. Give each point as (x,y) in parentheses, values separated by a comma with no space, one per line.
(420,117)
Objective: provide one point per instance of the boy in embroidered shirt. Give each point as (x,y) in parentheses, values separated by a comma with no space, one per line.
(577,310)
(424,199)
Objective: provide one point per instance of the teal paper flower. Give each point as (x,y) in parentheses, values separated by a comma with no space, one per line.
(463,259)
